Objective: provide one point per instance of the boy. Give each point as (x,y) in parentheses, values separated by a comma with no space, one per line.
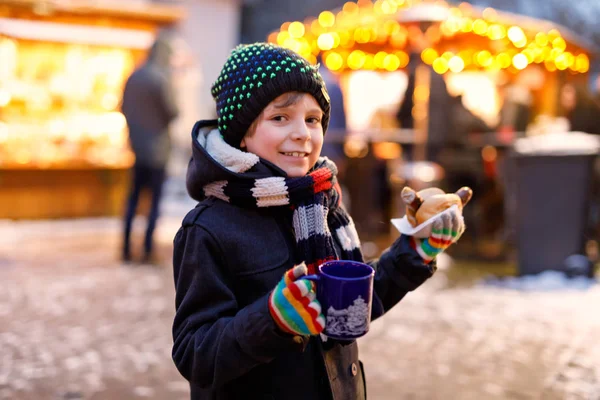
(269,204)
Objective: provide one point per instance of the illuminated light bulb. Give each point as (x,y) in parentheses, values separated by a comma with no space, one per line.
(356,59)
(391,62)
(529,54)
(362,35)
(325,41)
(466,25)
(503,60)
(429,55)
(520,61)
(554,53)
(559,43)
(484,58)
(344,38)
(282,37)
(388,7)
(326,19)
(516,34)
(456,64)
(582,63)
(403,58)
(350,7)
(296,29)
(561,62)
(440,66)
(496,32)
(480,27)
(538,55)
(570,59)
(369,62)
(272,38)
(334,61)
(447,55)
(541,39)
(489,153)
(378,59)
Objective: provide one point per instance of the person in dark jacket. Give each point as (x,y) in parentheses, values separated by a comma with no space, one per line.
(269,206)
(580,108)
(149,107)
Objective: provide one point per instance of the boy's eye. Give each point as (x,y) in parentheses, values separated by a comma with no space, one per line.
(313,120)
(278,118)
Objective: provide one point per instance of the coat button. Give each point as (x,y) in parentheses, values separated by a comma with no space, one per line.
(354,369)
(297,339)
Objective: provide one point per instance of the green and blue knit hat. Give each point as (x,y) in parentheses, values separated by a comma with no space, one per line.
(256,74)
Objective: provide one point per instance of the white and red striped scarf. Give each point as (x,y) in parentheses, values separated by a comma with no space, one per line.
(316,202)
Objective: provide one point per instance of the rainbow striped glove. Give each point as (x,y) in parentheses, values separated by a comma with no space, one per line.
(293,304)
(446,230)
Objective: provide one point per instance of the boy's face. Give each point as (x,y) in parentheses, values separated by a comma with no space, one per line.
(288,133)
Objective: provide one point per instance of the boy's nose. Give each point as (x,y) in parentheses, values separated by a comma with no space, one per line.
(301,132)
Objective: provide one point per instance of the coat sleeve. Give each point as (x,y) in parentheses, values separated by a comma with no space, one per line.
(398,271)
(214,340)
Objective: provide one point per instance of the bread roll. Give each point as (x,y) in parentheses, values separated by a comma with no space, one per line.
(436,204)
(422,205)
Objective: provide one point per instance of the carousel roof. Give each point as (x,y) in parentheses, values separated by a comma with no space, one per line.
(382,34)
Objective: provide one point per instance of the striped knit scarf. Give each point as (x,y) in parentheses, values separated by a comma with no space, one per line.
(315,199)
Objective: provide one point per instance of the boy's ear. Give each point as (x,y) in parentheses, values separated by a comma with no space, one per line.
(243,143)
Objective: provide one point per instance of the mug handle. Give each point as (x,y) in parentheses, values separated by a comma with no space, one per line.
(314,278)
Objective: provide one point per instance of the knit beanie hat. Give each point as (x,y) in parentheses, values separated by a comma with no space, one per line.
(256,74)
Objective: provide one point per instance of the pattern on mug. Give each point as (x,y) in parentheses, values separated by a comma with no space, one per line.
(351,321)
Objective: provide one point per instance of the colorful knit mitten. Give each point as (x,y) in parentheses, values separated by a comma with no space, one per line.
(446,230)
(293,304)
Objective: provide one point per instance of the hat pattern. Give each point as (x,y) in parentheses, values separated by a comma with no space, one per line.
(252,77)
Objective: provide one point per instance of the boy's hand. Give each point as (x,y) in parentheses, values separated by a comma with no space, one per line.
(293,304)
(446,230)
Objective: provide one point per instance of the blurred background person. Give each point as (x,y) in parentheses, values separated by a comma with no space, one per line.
(580,108)
(149,107)
(333,145)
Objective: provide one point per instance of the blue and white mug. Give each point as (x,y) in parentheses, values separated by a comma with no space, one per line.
(345,291)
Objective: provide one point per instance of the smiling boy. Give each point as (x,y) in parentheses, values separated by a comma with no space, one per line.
(247,324)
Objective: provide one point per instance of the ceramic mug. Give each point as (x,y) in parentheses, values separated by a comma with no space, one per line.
(345,291)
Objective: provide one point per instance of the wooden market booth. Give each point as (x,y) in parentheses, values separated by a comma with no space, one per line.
(63,141)
(383,36)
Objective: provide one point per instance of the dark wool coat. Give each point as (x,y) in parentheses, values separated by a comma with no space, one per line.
(226,262)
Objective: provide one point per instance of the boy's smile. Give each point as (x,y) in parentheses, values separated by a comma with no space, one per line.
(288,133)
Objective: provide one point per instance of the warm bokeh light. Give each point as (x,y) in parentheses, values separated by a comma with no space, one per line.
(487,40)
(520,61)
(334,61)
(326,41)
(489,153)
(429,55)
(296,29)
(440,65)
(326,19)
(456,64)
(356,59)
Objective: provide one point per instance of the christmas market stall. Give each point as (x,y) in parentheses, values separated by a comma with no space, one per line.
(63,141)
(375,48)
